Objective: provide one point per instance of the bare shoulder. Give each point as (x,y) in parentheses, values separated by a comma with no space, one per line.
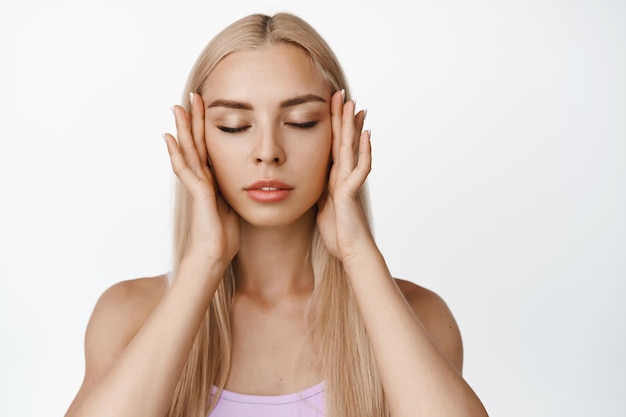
(121,311)
(136,294)
(117,317)
(437,318)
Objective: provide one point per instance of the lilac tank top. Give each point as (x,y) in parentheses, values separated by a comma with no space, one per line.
(307,403)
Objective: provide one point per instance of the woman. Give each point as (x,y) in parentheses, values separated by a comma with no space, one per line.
(279,302)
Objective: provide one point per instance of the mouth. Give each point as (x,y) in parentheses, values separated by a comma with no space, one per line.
(269,185)
(268,191)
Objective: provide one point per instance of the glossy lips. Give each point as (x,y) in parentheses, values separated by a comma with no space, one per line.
(269,191)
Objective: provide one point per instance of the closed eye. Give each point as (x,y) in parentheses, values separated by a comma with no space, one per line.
(306,125)
(227,129)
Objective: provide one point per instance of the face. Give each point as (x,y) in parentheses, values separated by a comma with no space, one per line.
(268,133)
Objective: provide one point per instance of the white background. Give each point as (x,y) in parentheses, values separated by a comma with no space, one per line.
(499,177)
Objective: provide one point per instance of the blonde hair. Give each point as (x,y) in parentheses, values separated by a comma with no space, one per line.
(353,386)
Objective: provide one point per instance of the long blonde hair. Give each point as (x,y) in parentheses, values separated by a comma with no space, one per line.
(353,386)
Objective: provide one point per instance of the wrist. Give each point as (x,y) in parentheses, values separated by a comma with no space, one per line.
(202,267)
(365,254)
(366,272)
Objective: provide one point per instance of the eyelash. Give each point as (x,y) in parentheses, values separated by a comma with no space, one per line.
(306,125)
(227,129)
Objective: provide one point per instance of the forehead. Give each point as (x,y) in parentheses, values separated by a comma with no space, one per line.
(265,73)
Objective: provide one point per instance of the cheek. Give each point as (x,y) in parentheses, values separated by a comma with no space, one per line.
(318,161)
(220,152)
(226,180)
(325,151)
(212,149)
(221,165)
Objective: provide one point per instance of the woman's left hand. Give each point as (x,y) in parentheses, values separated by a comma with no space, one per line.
(340,218)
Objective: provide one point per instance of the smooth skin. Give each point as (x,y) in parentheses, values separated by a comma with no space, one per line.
(142,330)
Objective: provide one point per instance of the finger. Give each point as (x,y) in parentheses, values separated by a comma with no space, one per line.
(196,106)
(364,162)
(347,138)
(185,140)
(359,120)
(336,109)
(179,164)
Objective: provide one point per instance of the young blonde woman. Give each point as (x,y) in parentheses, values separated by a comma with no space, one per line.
(279,302)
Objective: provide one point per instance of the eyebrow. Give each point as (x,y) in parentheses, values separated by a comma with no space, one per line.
(307,98)
(230,104)
(239,105)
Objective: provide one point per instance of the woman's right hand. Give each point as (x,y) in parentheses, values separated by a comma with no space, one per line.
(214,226)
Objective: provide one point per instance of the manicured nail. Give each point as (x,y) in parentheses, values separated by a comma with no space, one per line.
(164,138)
(174,110)
(343,94)
(191,98)
(364,113)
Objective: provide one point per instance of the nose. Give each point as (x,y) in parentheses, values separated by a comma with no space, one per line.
(269,148)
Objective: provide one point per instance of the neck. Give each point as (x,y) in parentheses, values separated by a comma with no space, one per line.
(274,262)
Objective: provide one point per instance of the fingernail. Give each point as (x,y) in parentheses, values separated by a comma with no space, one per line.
(164,138)
(364,113)
(343,94)
(191,98)
(174,110)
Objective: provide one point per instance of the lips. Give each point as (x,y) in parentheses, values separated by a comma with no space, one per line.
(268,191)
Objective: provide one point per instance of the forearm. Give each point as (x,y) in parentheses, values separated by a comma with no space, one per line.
(142,379)
(417,377)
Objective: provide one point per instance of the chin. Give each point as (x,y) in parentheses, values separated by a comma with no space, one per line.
(279,218)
